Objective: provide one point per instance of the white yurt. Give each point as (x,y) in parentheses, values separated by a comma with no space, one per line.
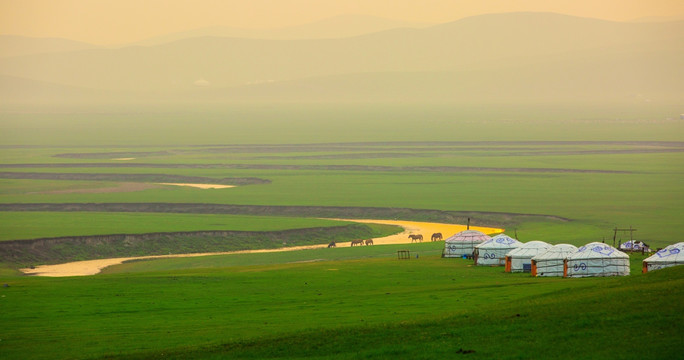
(634,245)
(596,259)
(520,258)
(550,262)
(671,255)
(494,250)
(463,243)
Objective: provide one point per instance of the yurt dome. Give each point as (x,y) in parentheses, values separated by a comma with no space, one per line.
(494,250)
(520,258)
(550,262)
(463,243)
(671,255)
(597,259)
(634,245)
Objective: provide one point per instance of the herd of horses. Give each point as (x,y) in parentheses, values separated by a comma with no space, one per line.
(358,242)
(419,237)
(413,237)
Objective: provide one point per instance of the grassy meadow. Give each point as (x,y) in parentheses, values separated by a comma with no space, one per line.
(58,224)
(561,174)
(338,303)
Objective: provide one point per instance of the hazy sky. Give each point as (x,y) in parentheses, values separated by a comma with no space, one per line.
(121,21)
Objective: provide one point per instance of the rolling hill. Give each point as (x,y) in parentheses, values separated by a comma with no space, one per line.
(499,57)
(13,45)
(341,26)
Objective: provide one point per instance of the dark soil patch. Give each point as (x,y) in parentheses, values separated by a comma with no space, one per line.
(76,248)
(121,187)
(116,154)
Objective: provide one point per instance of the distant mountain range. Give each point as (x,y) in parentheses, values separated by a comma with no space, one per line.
(531,57)
(336,27)
(12,45)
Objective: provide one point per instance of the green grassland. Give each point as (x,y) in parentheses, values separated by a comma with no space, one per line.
(597,191)
(338,303)
(561,174)
(166,125)
(58,224)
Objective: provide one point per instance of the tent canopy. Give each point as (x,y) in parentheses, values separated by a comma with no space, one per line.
(494,250)
(597,250)
(463,243)
(551,261)
(520,258)
(468,235)
(597,259)
(501,241)
(671,255)
(634,245)
(558,251)
(529,249)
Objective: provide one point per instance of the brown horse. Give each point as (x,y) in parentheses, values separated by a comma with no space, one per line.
(436,237)
(418,237)
(357,242)
(332,245)
(369,242)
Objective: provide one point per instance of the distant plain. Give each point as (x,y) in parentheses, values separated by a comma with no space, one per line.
(572,169)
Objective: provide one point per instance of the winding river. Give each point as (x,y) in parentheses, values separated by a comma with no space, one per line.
(92,267)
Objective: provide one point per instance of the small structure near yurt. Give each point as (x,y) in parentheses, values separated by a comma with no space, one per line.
(596,259)
(463,243)
(634,246)
(520,259)
(551,261)
(671,255)
(493,251)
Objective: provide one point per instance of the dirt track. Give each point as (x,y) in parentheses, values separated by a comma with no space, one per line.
(92,267)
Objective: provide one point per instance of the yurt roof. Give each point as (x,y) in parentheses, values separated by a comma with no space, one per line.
(596,250)
(558,251)
(468,235)
(500,241)
(530,248)
(631,244)
(671,253)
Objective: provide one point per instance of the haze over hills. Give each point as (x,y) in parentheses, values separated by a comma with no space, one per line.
(488,58)
(336,27)
(14,45)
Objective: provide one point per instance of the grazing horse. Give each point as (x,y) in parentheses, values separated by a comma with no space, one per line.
(436,237)
(332,245)
(418,237)
(369,242)
(357,242)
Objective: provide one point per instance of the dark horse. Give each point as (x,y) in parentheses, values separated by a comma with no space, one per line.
(418,237)
(332,245)
(356,242)
(436,237)
(369,242)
